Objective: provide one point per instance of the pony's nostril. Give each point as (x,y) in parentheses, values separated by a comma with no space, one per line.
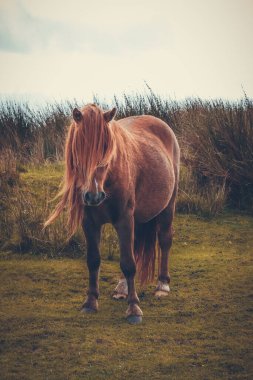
(87,196)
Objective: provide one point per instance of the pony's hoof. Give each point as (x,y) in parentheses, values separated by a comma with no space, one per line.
(86,309)
(162,290)
(90,306)
(134,314)
(134,319)
(161,293)
(119,296)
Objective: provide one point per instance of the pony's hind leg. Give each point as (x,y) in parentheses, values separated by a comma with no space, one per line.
(165,233)
(121,290)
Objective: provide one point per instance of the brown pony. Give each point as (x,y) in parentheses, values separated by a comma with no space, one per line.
(126,173)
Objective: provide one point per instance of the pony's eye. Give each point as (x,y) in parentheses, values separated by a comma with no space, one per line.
(108,183)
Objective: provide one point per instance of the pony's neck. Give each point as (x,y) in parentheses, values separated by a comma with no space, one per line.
(123,139)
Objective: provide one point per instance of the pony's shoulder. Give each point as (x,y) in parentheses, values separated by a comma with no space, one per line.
(146,127)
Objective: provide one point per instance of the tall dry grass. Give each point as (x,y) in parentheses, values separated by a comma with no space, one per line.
(216,140)
(24,207)
(34,134)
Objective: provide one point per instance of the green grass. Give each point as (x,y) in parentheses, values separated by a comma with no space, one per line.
(200,331)
(26,201)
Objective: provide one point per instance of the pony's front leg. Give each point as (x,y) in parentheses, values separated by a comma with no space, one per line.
(92,233)
(125,231)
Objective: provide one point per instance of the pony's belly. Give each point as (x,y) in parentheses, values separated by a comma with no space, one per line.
(154,188)
(149,206)
(146,216)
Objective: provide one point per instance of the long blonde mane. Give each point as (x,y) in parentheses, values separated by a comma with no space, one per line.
(90,143)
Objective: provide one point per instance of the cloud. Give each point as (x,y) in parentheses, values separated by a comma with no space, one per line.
(23,31)
(81,47)
(19,31)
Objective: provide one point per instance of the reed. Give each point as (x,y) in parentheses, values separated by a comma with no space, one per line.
(216,139)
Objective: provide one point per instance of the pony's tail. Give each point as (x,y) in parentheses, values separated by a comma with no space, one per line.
(146,250)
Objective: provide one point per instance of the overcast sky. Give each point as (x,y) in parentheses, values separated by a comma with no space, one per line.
(65,49)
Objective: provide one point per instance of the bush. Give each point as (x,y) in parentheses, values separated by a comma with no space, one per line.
(220,139)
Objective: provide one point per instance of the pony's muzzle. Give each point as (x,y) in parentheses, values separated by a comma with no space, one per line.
(93,199)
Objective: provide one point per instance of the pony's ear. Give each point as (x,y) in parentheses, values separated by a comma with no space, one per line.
(77,115)
(109,115)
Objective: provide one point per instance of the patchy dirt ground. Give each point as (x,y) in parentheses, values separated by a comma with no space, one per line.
(202,330)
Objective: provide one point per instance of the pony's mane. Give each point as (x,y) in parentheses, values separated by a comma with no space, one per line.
(90,143)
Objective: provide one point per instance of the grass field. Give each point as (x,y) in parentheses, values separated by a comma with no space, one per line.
(201,331)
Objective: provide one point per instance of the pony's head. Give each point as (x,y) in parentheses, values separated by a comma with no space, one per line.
(90,148)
